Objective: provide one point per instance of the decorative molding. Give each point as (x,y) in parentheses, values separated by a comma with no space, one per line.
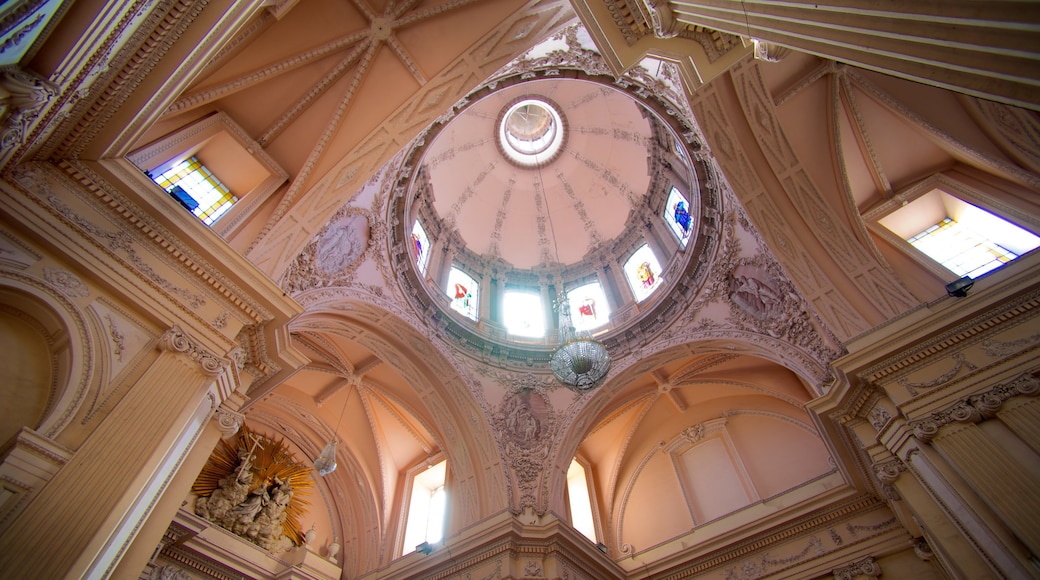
(26,95)
(228,421)
(1006,314)
(887,472)
(176,340)
(977,407)
(865,567)
(960,362)
(66,282)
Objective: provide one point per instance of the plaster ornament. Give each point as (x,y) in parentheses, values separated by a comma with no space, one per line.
(66,282)
(343,243)
(253,487)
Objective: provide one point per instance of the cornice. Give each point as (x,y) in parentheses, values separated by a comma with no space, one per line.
(168,243)
(812,522)
(1019,307)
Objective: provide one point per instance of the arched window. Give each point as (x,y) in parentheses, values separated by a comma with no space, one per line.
(427,507)
(420,247)
(464,292)
(579,500)
(523,313)
(643,272)
(677,216)
(589,308)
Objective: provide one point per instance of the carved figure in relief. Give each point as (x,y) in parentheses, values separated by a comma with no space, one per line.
(342,244)
(251,486)
(242,515)
(232,491)
(755,294)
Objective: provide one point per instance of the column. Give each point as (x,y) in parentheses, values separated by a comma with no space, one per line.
(996,477)
(90,511)
(1022,416)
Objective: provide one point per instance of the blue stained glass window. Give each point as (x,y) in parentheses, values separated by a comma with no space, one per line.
(677,215)
(420,247)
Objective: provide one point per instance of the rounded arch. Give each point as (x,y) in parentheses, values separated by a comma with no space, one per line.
(692,382)
(407,385)
(40,311)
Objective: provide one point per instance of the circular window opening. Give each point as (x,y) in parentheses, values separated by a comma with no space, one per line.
(531,132)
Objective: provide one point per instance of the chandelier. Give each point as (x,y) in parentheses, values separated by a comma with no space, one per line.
(325,462)
(579,361)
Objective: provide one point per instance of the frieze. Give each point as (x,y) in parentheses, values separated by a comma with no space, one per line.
(67,282)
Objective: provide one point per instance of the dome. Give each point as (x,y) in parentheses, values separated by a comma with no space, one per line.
(569,162)
(542,192)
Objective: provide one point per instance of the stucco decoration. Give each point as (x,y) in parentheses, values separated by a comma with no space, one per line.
(754,291)
(524,424)
(255,488)
(333,256)
(866,567)
(22,96)
(67,282)
(342,244)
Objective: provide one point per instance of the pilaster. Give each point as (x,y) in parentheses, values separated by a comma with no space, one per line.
(92,508)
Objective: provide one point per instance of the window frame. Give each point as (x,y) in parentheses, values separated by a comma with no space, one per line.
(955,188)
(593,500)
(189,140)
(406,502)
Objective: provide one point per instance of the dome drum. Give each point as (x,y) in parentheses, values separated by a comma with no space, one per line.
(526,118)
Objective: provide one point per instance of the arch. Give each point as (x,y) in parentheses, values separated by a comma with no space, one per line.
(633,390)
(61,324)
(443,403)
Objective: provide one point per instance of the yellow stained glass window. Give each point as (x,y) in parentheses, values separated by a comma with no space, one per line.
(197,189)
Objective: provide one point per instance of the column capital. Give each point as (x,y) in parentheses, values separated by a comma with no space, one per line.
(177,340)
(976,407)
(866,567)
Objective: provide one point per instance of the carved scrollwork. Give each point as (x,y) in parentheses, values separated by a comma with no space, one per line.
(977,407)
(865,567)
(176,340)
(23,96)
(229,422)
(888,472)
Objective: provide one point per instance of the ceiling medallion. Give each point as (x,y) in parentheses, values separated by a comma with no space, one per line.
(579,361)
(531,131)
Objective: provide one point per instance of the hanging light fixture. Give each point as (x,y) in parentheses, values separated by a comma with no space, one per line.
(579,361)
(325,463)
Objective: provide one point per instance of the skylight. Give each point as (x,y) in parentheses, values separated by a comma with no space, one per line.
(197,189)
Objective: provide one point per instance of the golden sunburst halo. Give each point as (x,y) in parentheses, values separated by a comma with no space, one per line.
(271,458)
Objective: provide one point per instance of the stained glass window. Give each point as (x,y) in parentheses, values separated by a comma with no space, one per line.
(197,189)
(677,214)
(420,247)
(463,291)
(643,272)
(975,244)
(523,314)
(589,307)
